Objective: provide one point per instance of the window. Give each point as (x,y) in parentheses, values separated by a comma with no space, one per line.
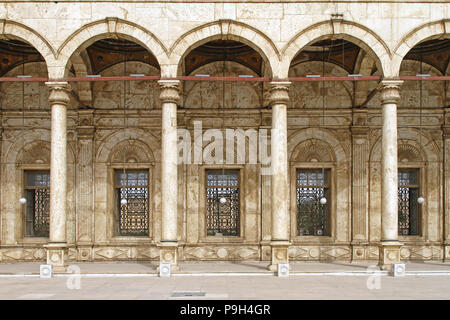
(313,218)
(132,216)
(222,203)
(408,207)
(37,193)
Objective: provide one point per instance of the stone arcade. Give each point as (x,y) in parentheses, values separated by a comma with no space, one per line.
(90,170)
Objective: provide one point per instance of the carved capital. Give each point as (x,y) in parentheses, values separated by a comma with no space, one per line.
(170,91)
(279,92)
(390,91)
(59,92)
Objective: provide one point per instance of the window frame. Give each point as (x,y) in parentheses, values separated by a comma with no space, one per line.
(112,218)
(422,208)
(332,208)
(204,237)
(25,172)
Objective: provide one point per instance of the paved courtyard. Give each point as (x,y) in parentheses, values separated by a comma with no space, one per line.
(226,281)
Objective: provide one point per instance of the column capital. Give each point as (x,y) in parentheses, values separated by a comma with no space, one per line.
(170,91)
(390,90)
(279,92)
(59,92)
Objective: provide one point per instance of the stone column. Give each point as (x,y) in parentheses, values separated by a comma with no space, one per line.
(56,248)
(389,252)
(169,232)
(279,96)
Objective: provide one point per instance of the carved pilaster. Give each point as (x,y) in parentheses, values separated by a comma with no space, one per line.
(360,177)
(85,182)
(446,168)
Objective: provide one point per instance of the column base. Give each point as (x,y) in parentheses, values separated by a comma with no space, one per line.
(280,254)
(168,253)
(57,256)
(389,253)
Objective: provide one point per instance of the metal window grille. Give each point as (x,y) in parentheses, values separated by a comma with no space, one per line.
(313,218)
(222,218)
(132,217)
(37,191)
(408,207)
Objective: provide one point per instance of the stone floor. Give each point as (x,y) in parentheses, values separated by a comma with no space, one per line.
(226,281)
(213,267)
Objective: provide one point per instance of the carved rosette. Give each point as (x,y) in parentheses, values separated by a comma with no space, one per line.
(168,253)
(279,93)
(390,91)
(389,254)
(57,256)
(280,254)
(59,93)
(170,91)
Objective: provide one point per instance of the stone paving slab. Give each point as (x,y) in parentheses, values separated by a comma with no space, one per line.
(218,267)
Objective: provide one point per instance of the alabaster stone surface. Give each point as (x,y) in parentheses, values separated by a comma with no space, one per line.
(114,125)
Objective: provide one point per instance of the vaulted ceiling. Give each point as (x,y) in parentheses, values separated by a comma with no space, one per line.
(108,52)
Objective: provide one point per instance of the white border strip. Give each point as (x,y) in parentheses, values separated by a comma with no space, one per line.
(227,274)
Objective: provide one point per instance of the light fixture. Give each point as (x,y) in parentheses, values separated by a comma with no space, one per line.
(123,201)
(223,200)
(323,200)
(420,199)
(22,200)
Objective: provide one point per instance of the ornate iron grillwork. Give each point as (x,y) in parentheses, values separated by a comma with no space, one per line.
(312,216)
(408,207)
(37,187)
(222,218)
(133,217)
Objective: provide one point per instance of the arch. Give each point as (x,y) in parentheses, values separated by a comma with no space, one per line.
(426,31)
(23,141)
(141,138)
(323,136)
(312,150)
(108,28)
(226,30)
(408,145)
(350,31)
(12,29)
(131,151)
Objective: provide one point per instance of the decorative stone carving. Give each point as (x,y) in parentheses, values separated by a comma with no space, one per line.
(221,253)
(390,91)
(279,92)
(313,150)
(169,91)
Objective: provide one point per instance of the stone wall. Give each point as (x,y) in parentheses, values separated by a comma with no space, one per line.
(346,140)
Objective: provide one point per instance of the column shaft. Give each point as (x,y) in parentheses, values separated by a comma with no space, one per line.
(58,99)
(390,247)
(279,165)
(169,184)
